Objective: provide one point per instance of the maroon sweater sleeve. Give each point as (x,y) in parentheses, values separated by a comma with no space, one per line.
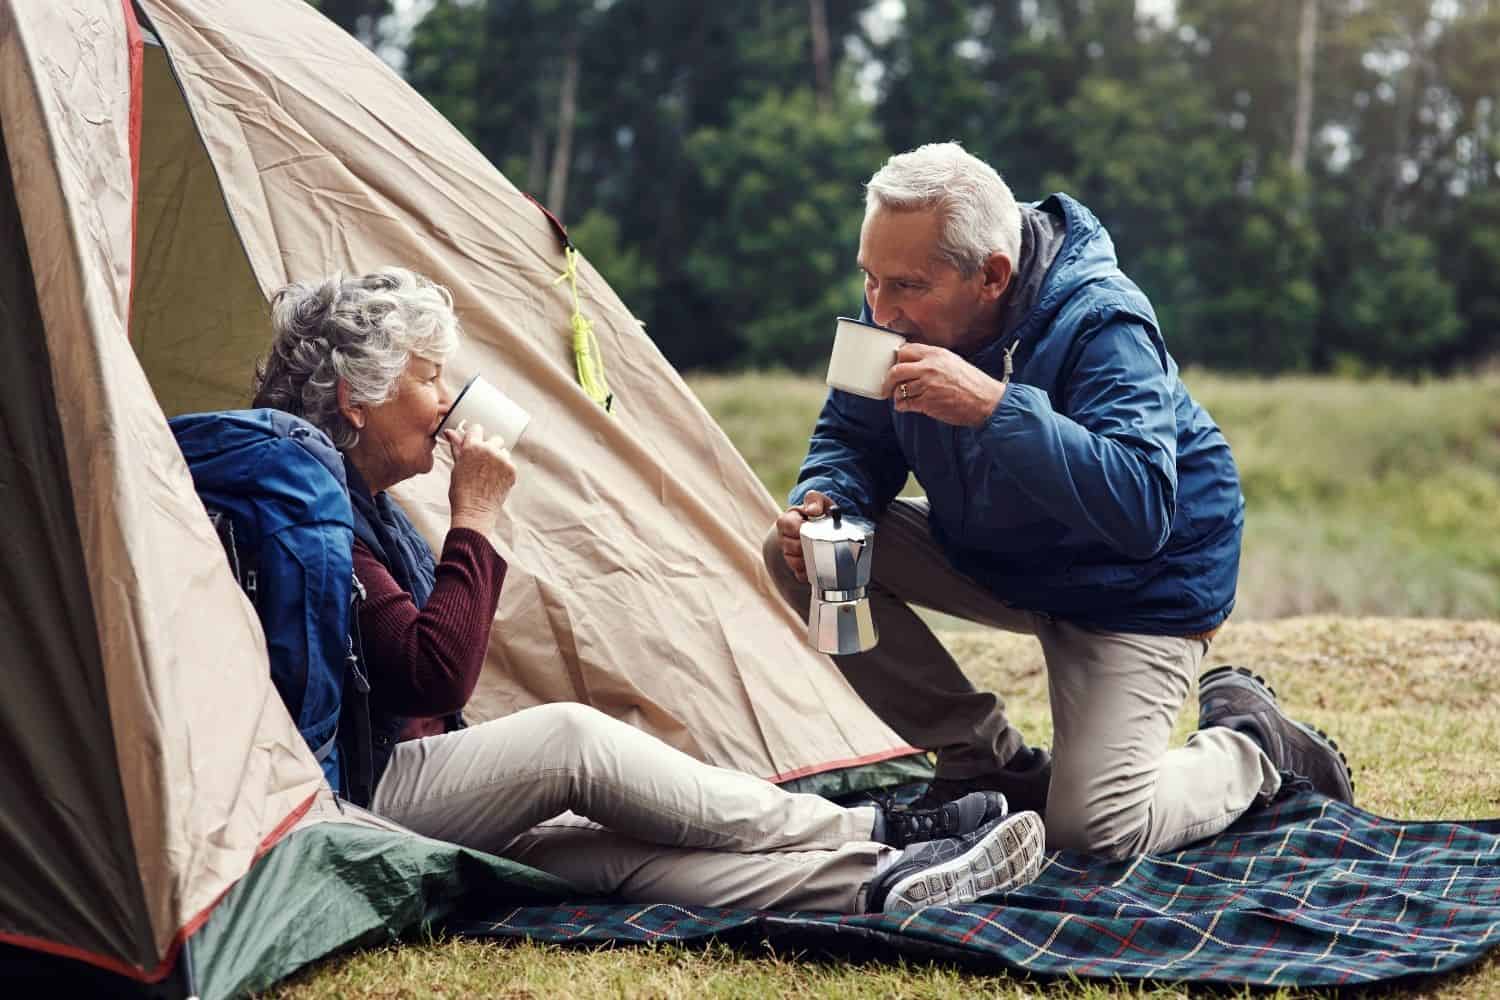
(426,663)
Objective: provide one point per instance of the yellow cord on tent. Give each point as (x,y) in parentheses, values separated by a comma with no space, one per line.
(585,345)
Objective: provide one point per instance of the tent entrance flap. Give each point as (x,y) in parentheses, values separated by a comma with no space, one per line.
(199,320)
(66,886)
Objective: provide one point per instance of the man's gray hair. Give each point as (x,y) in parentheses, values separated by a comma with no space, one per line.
(362,331)
(980,215)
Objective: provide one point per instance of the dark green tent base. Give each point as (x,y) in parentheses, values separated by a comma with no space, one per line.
(1305,893)
(852,783)
(322,889)
(334,886)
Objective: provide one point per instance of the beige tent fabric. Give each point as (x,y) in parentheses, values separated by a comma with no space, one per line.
(59,880)
(633,536)
(208,760)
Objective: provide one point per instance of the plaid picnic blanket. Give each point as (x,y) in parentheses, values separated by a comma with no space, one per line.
(1307,892)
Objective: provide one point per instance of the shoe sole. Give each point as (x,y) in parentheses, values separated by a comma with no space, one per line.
(1220,676)
(1006,858)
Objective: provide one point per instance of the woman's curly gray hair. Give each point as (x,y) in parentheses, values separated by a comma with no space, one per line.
(362,331)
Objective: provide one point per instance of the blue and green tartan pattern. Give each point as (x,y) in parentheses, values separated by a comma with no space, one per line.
(1307,892)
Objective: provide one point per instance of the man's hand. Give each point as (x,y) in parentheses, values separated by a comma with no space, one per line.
(936,382)
(814,504)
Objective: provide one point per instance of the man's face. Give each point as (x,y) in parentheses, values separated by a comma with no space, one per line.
(912,291)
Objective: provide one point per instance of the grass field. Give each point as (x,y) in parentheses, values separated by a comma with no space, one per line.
(1367,499)
(1363,497)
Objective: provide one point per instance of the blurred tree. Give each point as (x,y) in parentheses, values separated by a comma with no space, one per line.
(361,18)
(1287,179)
(649,77)
(1224,253)
(1307,47)
(788,179)
(933,87)
(1472,248)
(1394,311)
(1399,178)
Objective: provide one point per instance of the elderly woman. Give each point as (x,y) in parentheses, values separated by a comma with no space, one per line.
(561,787)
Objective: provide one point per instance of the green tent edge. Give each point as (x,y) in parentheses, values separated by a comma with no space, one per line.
(335,886)
(850,782)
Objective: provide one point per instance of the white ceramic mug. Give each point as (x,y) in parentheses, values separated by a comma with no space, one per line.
(862,354)
(481,403)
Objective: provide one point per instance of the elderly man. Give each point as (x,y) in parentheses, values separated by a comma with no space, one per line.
(1075,492)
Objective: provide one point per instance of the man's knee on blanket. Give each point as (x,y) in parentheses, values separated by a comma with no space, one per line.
(1104,826)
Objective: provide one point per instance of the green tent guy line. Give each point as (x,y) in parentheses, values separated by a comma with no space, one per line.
(586,353)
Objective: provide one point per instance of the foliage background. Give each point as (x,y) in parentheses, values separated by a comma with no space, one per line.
(1299,185)
(1364,497)
(1309,190)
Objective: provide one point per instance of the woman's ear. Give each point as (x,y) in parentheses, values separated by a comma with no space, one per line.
(353,412)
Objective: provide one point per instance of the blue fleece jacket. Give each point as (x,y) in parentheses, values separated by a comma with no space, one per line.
(1097,492)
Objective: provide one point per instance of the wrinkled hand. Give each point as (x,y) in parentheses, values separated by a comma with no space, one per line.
(938,383)
(483,475)
(789,525)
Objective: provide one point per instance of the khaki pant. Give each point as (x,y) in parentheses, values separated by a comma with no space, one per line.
(573,792)
(1116,787)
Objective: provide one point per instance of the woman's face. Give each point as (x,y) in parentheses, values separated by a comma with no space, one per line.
(397,441)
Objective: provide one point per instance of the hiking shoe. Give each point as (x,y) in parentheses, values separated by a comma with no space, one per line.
(1023,781)
(904,827)
(1235,698)
(1000,857)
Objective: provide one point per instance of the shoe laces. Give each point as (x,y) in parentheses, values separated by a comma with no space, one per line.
(919,825)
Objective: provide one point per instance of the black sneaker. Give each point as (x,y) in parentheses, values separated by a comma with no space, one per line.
(1235,698)
(1023,781)
(1000,857)
(903,827)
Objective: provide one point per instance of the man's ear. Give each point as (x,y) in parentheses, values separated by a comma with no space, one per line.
(353,412)
(997,272)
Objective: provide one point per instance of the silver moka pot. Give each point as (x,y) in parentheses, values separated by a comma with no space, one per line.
(838,551)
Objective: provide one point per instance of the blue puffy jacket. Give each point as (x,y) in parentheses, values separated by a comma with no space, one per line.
(1097,492)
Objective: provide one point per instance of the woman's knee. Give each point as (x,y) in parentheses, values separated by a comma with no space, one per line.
(570,725)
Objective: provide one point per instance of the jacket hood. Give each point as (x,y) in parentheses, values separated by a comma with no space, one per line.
(1087,256)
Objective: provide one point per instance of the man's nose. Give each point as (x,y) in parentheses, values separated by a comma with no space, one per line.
(881,311)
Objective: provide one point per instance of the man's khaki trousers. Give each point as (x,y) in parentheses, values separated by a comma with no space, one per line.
(615,811)
(1116,787)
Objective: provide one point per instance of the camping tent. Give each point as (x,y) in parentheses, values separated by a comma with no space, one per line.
(163,168)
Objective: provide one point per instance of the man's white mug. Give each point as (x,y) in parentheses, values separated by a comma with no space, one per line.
(480,403)
(862,354)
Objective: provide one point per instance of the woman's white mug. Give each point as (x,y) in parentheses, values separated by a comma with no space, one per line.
(862,354)
(480,403)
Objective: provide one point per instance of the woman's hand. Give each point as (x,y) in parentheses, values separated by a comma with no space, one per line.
(483,475)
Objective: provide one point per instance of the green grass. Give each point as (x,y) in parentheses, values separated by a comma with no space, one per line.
(1366,498)
(1416,703)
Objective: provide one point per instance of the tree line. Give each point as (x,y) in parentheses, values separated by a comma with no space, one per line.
(1299,185)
